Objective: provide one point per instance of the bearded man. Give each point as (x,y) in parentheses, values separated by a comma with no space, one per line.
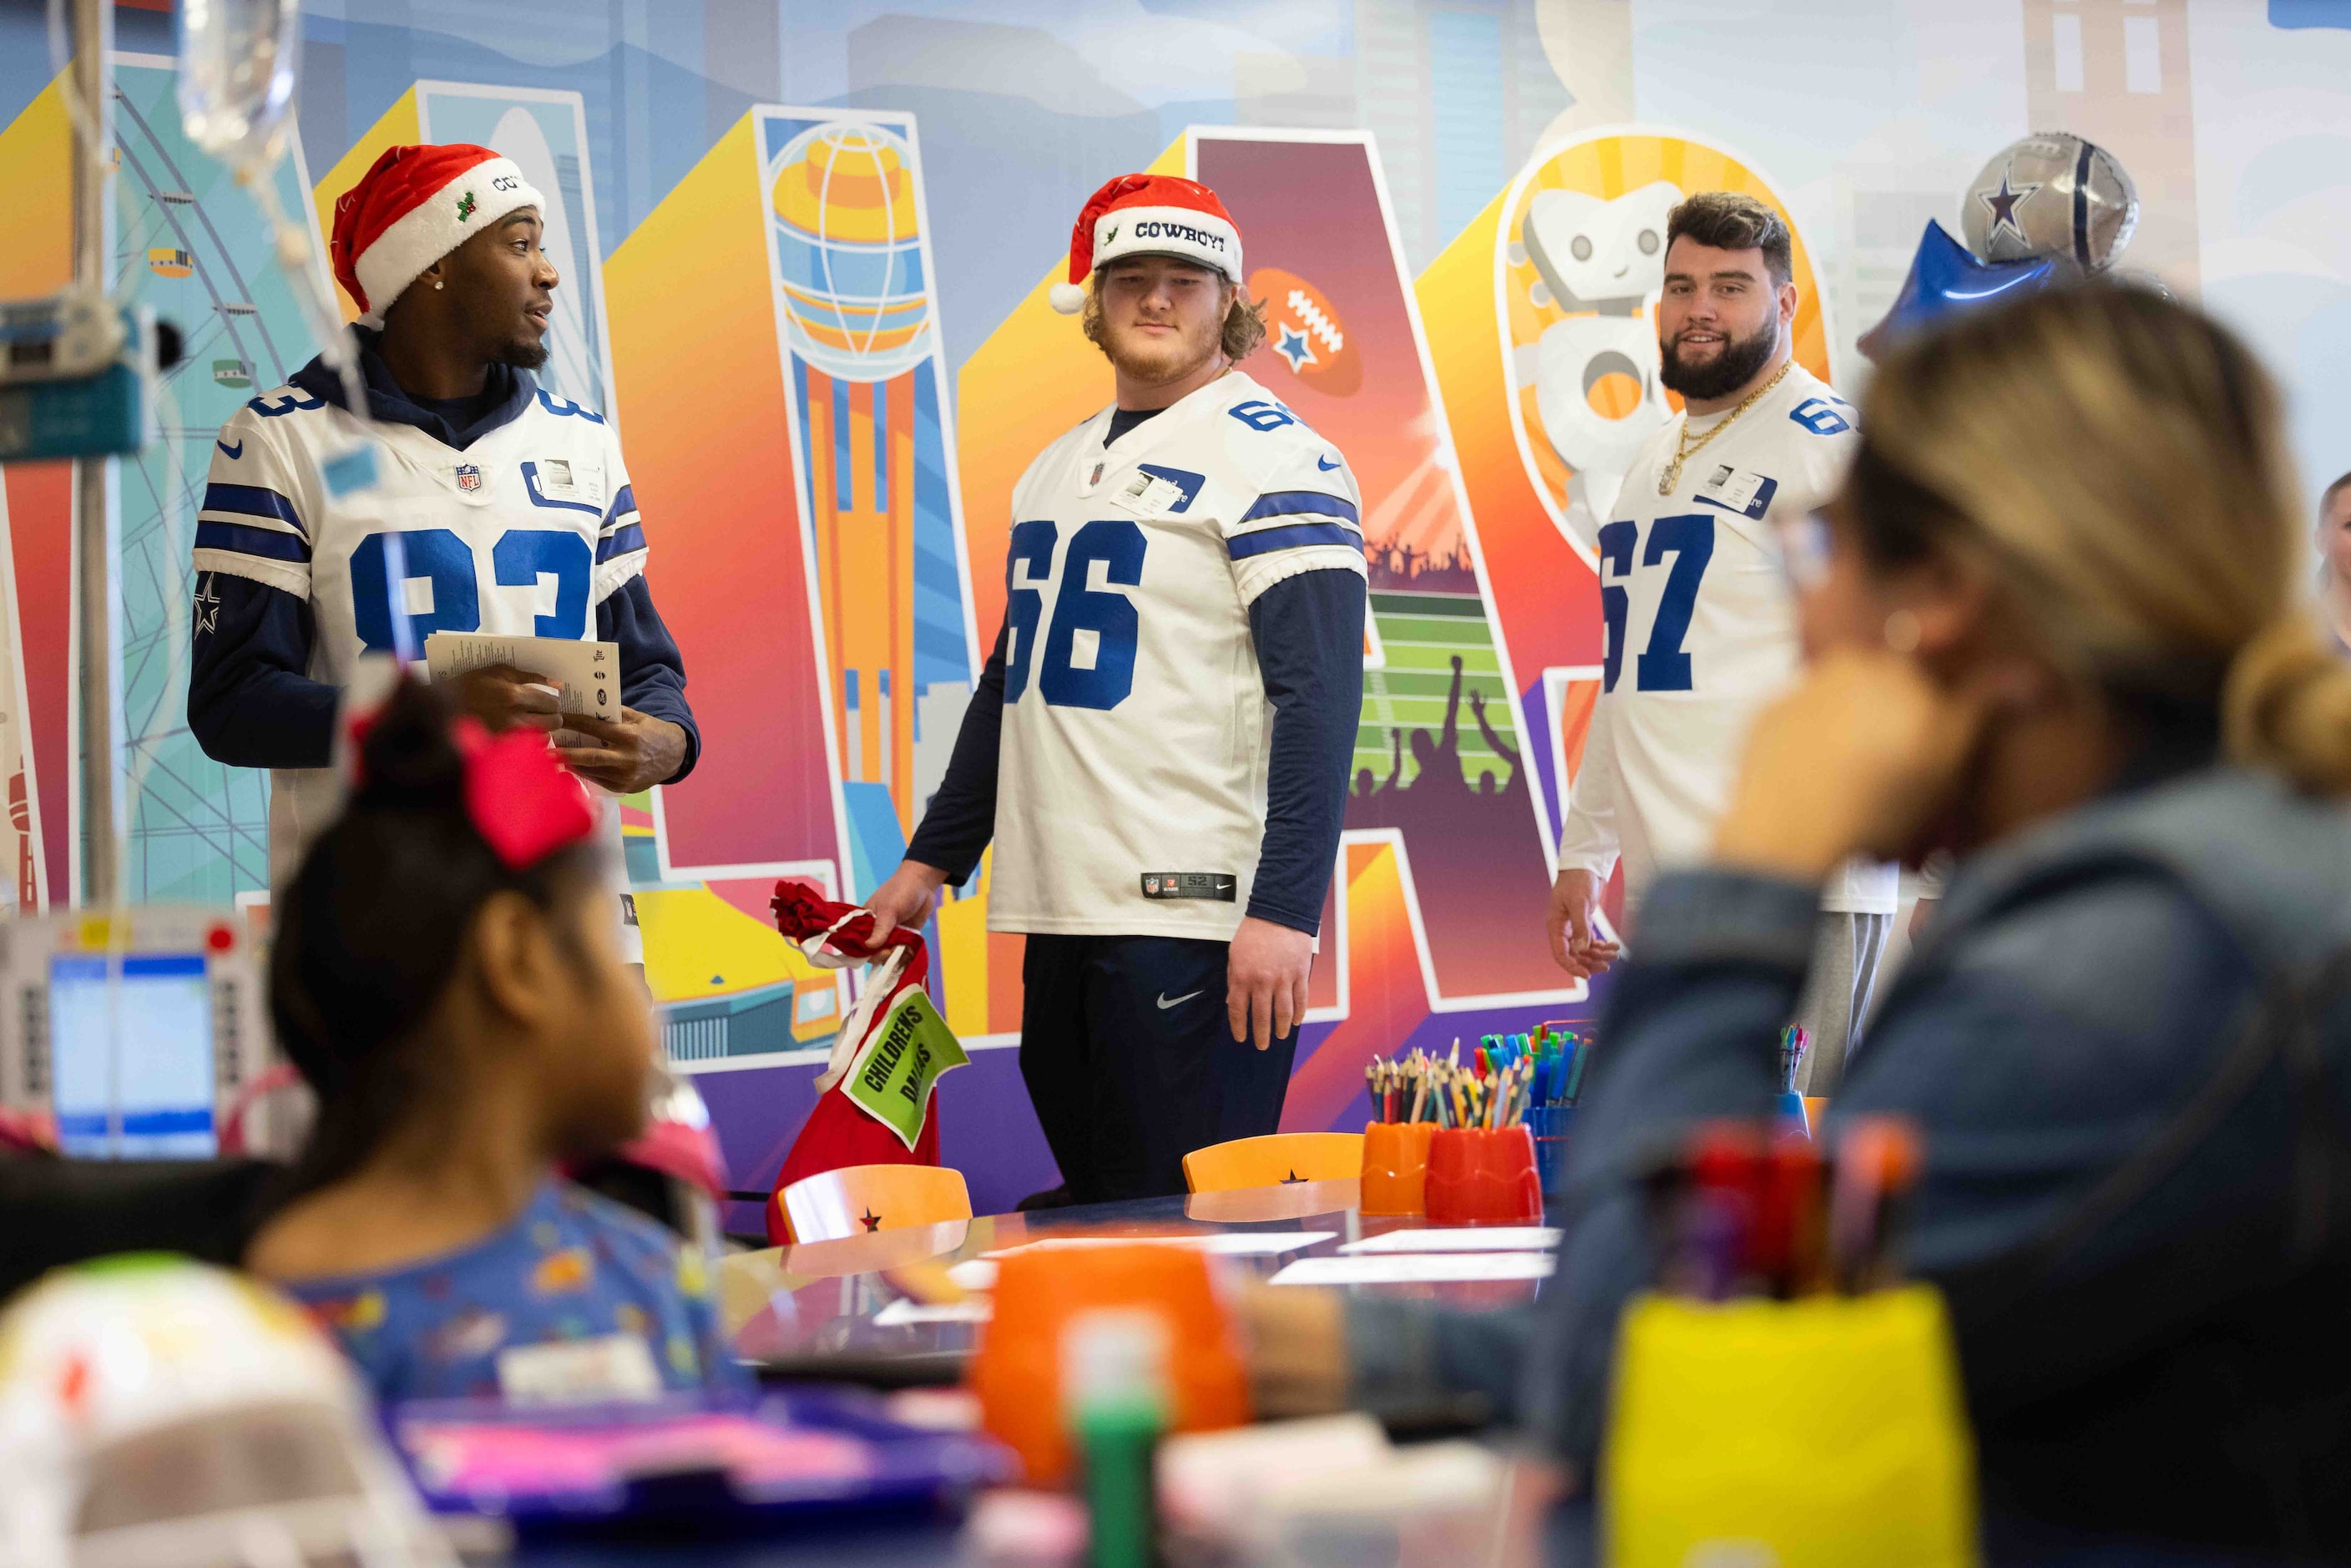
(1693,582)
(1159,745)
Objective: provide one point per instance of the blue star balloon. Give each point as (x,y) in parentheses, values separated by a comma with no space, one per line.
(1945,280)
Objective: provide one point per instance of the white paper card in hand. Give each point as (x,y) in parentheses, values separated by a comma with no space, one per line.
(1463,1238)
(586,676)
(1416,1267)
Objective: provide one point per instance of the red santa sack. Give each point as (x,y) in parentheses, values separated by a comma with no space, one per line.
(840,1132)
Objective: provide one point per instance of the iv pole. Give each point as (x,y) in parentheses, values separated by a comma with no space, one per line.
(94,609)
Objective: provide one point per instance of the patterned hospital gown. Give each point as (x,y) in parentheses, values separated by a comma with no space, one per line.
(571,1266)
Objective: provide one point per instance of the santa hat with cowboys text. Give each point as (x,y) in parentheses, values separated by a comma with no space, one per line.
(413,207)
(1148,214)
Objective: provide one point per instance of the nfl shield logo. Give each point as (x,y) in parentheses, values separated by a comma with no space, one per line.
(469,477)
(1151,885)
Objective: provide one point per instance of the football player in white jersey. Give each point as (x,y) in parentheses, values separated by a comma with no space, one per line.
(1160,742)
(1700,618)
(512,505)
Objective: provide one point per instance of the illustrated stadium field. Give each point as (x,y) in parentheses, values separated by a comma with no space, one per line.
(1423,633)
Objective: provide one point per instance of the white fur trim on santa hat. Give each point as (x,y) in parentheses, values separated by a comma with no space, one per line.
(438,225)
(1069,298)
(1184,231)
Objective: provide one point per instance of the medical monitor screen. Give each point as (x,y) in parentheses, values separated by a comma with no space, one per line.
(134,1059)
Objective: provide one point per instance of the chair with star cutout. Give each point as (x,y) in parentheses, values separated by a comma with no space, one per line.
(1275,1158)
(856,1199)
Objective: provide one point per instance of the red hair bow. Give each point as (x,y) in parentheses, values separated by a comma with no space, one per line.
(524,803)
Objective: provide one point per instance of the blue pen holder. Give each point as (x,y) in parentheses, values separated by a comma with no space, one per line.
(1550,1126)
(1793,1115)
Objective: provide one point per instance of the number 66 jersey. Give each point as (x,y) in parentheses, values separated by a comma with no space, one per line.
(1701,634)
(1131,771)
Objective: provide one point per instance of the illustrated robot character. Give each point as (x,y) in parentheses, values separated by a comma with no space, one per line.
(1595,375)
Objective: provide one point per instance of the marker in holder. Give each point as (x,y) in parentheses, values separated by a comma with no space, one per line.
(1550,1126)
(1395,1167)
(1481,1175)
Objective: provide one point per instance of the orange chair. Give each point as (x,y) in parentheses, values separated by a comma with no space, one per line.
(855,1199)
(1275,1158)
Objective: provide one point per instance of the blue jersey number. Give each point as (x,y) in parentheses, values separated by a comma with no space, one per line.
(1616,542)
(1822,416)
(1098,672)
(444,562)
(1664,665)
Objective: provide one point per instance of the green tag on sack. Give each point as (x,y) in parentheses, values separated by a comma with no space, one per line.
(892,1078)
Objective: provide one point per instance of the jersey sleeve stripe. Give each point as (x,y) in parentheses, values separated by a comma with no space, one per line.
(273,544)
(1291,536)
(1290,503)
(623,505)
(251,501)
(621,542)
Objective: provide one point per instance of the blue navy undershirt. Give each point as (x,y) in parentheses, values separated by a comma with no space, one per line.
(1308,633)
(251,700)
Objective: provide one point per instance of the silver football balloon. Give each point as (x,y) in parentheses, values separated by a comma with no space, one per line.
(2052,194)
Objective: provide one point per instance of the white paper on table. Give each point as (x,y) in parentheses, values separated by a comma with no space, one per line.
(973,1274)
(906,1311)
(1229,1243)
(1417,1268)
(1471,1239)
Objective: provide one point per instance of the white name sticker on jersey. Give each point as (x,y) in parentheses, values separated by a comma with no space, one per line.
(1150,495)
(1738,490)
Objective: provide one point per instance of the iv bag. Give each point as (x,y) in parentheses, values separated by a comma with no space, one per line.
(237,77)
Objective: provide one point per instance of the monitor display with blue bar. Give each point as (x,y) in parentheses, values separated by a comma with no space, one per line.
(133,1062)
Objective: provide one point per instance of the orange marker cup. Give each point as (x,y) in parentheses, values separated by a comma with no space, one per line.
(1395,1167)
(1017,1371)
(1481,1175)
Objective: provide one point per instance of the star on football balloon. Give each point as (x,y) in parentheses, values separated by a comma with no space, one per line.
(2052,194)
(1946,279)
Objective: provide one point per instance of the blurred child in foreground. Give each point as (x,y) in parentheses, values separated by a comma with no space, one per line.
(2058,623)
(447,976)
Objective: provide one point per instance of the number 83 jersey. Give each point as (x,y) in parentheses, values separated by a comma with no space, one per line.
(1130,779)
(524,533)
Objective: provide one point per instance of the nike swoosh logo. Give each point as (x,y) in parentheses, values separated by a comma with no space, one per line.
(1166,1001)
(1326,465)
(233,451)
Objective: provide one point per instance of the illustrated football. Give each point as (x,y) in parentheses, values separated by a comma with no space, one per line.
(1303,328)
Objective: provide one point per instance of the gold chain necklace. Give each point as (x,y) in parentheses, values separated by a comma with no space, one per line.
(1685,449)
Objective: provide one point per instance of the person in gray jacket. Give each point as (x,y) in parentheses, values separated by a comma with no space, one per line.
(2057,623)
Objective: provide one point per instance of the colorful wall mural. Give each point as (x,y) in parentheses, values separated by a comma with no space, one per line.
(805,249)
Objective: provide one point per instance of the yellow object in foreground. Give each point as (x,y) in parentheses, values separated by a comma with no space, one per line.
(1824,1433)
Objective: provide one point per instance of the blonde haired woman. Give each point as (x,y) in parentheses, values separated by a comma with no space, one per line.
(2058,623)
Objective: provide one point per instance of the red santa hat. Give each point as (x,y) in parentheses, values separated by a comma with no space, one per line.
(1148,214)
(413,207)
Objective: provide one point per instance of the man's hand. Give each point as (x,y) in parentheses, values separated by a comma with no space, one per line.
(906,899)
(633,752)
(1573,898)
(1265,981)
(502,696)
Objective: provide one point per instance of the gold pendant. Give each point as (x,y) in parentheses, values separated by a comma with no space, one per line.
(1668,477)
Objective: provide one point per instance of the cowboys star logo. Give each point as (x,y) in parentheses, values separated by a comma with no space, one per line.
(207,607)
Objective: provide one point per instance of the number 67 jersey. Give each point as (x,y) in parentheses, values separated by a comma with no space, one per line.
(1701,625)
(1131,775)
